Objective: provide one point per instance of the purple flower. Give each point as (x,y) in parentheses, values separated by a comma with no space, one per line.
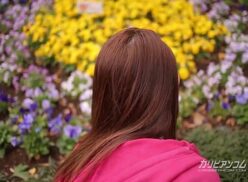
(37,92)
(15,141)
(209,106)
(225,65)
(32,92)
(27,122)
(231,97)
(245,58)
(225,105)
(49,112)
(229,57)
(207,92)
(5,98)
(212,68)
(29,93)
(55,124)
(218,9)
(68,117)
(23,1)
(246,94)
(33,106)
(23,111)
(216,95)
(29,104)
(16,83)
(53,93)
(72,131)
(237,47)
(45,104)
(3,2)
(43,84)
(28,119)
(241,99)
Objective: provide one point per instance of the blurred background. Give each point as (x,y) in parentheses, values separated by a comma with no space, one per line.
(47,56)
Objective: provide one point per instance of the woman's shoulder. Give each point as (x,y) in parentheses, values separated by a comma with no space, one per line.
(157,160)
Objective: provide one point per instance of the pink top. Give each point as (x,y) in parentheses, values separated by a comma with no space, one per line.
(152,160)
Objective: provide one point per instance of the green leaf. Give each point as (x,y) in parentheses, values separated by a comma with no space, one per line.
(3,177)
(21,171)
(36,143)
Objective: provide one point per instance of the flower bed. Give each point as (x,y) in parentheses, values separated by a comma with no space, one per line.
(42,107)
(222,89)
(60,31)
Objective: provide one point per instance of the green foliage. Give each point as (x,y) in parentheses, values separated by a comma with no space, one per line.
(217,110)
(240,112)
(3,107)
(3,178)
(189,101)
(65,144)
(34,80)
(68,68)
(20,171)
(231,2)
(3,27)
(222,144)
(5,135)
(245,2)
(45,174)
(36,143)
(186,107)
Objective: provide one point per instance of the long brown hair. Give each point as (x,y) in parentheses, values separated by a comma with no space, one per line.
(135,95)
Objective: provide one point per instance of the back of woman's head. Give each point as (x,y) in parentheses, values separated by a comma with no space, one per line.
(135,95)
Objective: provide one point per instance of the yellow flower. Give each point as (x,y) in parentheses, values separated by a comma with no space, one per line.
(90,70)
(183,73)
(72,37)
(195,48)
(56,48)
(82,64)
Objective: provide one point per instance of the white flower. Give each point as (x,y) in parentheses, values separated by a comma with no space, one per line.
(211,69)
(214,80)
(238,90)
(6,76)
(246,89)
(200,73)
(206,91)
(197,80)
(86,95)
(245,58)
(76,83)
(46,104)
(225,65)
(74,93)
(85,107)
(67,86)
(37,92)
(188,84)
(27,103)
